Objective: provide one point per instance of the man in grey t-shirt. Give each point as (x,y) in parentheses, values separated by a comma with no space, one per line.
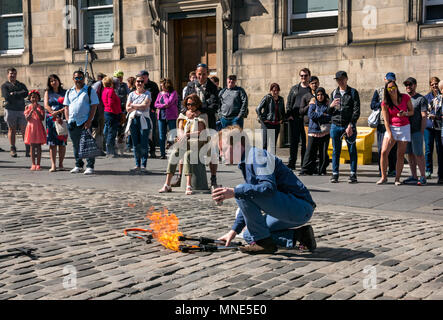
(14,92)
(418,125)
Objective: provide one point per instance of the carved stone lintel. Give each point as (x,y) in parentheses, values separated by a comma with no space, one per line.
(155,15)
(227,13)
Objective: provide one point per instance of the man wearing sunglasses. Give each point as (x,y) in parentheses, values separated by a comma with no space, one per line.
(345,111)
(80,106)
(296,126)
(208,94)
(414,149)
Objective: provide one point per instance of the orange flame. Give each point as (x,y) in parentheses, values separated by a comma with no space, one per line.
(165,228)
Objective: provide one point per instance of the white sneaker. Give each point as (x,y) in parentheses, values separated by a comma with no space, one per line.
(89,171)
(76,170)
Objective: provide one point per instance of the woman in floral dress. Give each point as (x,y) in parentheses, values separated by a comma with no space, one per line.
(53,99)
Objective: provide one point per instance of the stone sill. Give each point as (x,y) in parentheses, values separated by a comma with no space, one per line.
(310,40)
(430,31)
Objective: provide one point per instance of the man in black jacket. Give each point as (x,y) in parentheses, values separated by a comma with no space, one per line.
(296,127)
(154,90)
(208,93)
(14,92)
(345,111)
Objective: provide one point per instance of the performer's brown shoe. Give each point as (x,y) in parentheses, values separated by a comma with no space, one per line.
(263,246)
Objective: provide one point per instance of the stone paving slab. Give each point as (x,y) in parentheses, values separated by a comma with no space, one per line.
(81,229)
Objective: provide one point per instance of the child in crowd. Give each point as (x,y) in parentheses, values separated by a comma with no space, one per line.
(35,132)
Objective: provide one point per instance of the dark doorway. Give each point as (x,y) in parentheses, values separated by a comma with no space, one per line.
(195,42)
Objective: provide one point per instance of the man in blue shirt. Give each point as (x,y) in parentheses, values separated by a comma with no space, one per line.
(80,106)
(271,187)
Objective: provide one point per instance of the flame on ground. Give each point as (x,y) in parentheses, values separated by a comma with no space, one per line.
(165,228)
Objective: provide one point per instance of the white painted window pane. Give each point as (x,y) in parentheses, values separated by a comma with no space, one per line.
(11,33)
(95,3)
(99,26)
(11,6)
(304,6)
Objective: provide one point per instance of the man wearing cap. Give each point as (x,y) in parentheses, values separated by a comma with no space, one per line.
(233,104)
(152,87)
(208,93)
(345,111)
(418,125)
(376,101)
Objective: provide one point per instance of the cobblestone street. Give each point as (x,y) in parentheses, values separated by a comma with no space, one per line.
(84,229)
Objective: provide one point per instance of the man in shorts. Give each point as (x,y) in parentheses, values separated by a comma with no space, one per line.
(14,92)
(418,125)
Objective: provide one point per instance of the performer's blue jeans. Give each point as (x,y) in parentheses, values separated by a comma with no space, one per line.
(282,211)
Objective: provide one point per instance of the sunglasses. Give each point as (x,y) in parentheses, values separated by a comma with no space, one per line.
(408,84)
(193,104)
(78,78)
(392,89)
(139,81)
(303,76)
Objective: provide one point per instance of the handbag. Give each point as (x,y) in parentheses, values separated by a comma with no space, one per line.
(88,147)
(374,118)
(62,129)
(325,127)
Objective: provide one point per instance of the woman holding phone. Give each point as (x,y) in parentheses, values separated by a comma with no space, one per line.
(397,108)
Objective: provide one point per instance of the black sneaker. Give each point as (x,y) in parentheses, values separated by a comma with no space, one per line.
(291,166)
(352,178)
(305,235)
(334,178)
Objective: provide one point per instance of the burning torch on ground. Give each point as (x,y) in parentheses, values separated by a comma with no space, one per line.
(164,229)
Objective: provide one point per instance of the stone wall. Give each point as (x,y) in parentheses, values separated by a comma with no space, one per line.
(398,43)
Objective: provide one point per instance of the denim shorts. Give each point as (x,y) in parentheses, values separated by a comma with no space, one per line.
(416,144)
(402,133)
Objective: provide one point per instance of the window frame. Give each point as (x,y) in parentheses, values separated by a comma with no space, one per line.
(14,51)
(307,15)
(81,17)
(426,21)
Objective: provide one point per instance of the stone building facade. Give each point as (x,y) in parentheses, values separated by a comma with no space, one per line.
(261,41)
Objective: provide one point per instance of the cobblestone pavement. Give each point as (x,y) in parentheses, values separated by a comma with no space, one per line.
(83,228)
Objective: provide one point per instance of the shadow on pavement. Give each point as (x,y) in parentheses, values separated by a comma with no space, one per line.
(322,254)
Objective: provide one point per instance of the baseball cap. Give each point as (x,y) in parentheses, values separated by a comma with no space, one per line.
(390,76)
(410,80)
(341,74)
(143,73)
(118,73)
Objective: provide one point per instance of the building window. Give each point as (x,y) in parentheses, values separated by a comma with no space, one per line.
(11,26)
(433,11)
(313,16)
(97,21)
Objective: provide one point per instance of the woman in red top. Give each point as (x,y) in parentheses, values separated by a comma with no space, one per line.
(397,108)
(112,115)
